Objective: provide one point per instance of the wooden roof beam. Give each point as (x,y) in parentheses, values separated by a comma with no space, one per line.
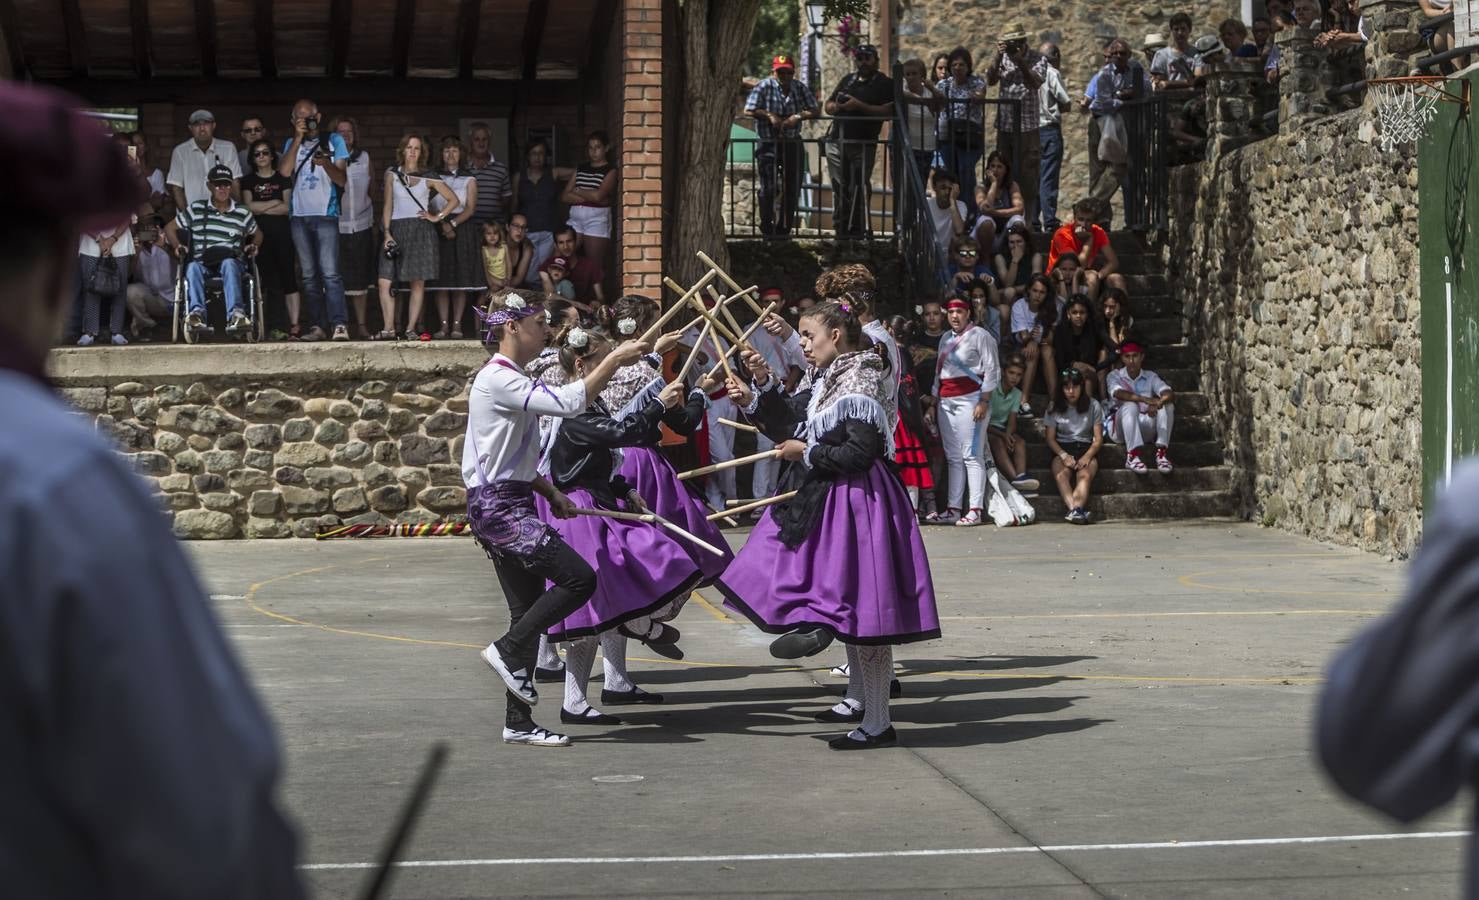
(405,24)
(602,23)
(205,36)
(469,18)
(138,25)
(266,48)
(340,19)
(534,36)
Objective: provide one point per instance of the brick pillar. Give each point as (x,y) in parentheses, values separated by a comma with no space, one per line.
(1302,81)
(641,199)
(1395,43)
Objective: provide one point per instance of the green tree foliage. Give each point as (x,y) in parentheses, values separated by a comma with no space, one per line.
(777,31)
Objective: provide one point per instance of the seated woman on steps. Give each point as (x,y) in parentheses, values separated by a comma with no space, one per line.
(1075,432)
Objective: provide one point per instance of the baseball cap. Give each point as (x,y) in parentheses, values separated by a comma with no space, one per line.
(219,175)
(782,62)
(62,166)
(201,115)
(560,261)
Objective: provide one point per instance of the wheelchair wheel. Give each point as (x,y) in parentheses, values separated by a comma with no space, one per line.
(255,303)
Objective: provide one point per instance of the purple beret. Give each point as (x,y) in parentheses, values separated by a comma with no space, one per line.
(62,166)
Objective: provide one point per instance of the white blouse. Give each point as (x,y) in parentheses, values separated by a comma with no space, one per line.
(504,406)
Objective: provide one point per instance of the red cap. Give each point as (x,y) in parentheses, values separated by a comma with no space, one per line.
(782,62)
(771,294)
(957,303)
(1131,347)
(560,261)
(61,165)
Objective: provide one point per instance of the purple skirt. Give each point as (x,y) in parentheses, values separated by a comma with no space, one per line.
(657,484)
(639,567)
(862,574)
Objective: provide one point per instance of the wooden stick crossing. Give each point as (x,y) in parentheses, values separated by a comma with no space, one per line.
(662,320)
(748,507)
(729,464)
(693,354)
(733,285)
(749,331)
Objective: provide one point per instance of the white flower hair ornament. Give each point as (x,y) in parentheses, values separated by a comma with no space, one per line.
(918,310)
(577,339)
(514,302)
(627,325)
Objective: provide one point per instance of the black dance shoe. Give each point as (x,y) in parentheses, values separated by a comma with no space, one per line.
(888,738)
(662,639)
(895,689)
(831,716)
(591,716)
(796,644)
(632,697)
(549,676)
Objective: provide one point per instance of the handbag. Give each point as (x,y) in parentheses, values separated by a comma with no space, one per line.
(106,279)
(1113,140)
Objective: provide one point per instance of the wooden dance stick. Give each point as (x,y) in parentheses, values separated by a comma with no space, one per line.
(721,308)
(662,320)
(729,464)
(778,498)
(687,535)
(719,300)
(693,354)
(740,425)
(617,514)
(733,285)
(749,331)
(719,327)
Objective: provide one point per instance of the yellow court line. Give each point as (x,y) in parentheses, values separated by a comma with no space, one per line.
(1190,581)
(1173,615)
(711,609)
(1169,679)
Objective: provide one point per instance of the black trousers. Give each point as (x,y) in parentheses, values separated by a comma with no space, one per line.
(851,166)
(532,609)
(779,163)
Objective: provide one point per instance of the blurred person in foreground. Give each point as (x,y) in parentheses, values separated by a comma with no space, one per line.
(1398,722)
(135,761)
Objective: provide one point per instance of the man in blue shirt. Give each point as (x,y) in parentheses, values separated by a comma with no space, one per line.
(317,163)
(779,105)
(1119,82)
(135,760)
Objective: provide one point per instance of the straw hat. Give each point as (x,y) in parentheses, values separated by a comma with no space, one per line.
(1154,41)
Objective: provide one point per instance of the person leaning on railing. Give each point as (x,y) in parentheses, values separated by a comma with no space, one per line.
(921,104)
(779,104)
(961,134)
(861,102)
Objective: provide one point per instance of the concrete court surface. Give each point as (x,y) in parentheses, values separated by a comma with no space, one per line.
(1121,684)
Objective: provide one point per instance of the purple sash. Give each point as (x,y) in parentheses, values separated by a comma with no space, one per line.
(504,519)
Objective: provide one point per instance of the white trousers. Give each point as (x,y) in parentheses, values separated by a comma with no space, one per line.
(966,451)
(721,485)
(1136,427)
(762,479)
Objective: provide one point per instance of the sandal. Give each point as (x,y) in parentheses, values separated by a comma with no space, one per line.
(295,332)
(361,333)
(456,334)
(383,336)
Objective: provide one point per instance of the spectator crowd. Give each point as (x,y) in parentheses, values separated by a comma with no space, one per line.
(281,236)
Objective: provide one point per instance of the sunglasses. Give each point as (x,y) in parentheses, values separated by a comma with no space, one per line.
(965,253)
(267,153)
(1073,375)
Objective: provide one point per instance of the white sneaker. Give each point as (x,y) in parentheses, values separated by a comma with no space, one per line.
(518,680)
(535,737)
(840,671)
(969,520)
(86,340)
(120,341)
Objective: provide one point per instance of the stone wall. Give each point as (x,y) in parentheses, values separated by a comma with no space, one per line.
(284,439)
(1296,262)
(928,27)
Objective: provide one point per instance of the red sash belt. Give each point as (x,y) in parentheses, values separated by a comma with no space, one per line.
(958,387)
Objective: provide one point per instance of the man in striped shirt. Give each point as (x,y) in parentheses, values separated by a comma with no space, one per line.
(216,230)
(494,187)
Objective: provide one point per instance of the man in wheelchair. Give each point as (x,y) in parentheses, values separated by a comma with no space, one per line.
(218,235)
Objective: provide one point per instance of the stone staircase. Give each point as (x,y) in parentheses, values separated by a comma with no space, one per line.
(1201,485)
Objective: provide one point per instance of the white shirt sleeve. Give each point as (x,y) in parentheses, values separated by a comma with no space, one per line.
(987,369)
(1022,318)
(1158,385)
(1118,381)
(517,392)
(176,175)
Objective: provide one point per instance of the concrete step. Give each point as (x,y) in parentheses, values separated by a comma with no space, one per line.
(1185,505)
(1151,305)
(1159,330)
(1123,481)
(1189,454)
(1187,428)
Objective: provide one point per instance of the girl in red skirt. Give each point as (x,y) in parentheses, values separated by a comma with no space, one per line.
(909,450)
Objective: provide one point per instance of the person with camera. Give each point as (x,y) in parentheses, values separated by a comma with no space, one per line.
(219,232)
(1020,73)
(410,253)
(317,163)
(860,104)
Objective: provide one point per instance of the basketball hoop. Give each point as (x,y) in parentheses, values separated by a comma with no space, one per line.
(1405,106)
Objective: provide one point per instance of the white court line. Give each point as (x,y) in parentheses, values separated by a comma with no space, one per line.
(890,854)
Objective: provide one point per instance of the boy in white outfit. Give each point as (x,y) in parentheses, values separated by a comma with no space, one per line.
(1143,410)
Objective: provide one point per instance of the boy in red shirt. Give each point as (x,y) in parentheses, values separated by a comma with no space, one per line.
(1090,244)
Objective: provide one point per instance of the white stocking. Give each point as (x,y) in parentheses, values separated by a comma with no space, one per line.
(614,661)
(877,665)
(853,700)
(549,657)
(579,657)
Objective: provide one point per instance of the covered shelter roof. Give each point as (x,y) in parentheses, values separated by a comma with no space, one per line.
(126,51)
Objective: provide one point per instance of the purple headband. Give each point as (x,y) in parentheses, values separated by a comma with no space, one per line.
(515,308)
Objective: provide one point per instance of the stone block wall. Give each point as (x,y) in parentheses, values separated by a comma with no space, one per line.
(284,440)
(1080,29)
(1296,262)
